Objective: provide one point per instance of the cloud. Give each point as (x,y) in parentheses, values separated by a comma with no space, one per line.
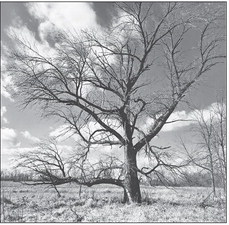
(9,138)
(70,17)
(22,33)
(28,136)
(184,119)
(180,118)
(10,156)
(3,111)
(125,27)
(211,112)
(148,123)
(7,85)
(6,82)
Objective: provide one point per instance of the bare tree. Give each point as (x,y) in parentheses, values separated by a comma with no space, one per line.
(219,142)
(100,78)
(53,167)
(210,152)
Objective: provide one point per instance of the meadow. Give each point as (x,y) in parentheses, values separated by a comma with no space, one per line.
(103,203)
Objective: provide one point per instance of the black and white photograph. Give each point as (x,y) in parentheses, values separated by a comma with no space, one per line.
(114,112)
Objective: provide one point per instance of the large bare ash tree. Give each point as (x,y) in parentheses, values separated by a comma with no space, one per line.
(140,67)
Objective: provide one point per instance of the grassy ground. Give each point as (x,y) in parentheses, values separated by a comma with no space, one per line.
(20,203)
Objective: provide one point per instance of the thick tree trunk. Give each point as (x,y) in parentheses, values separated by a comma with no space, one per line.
(131,184)
(132,191)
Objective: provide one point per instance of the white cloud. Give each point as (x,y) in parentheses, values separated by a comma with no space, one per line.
(6,81)
(10,156)
(28,136)
(22,32)
(9,138)
(7,85)
(185,118)
(65,16)
(148,123)
(3,111)
(211,114)
(125,26)
(13,155)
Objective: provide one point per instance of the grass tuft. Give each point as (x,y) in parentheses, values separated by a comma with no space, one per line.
(7,201)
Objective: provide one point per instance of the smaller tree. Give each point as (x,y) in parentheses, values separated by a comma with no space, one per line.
(210,152)
(219,141)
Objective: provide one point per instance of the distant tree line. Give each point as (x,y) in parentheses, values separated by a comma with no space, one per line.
(16,176)
(188,179)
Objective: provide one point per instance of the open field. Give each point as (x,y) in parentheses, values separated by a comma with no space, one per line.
(22,203)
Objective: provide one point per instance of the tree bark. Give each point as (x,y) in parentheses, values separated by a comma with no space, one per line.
(125,197)
(131,183)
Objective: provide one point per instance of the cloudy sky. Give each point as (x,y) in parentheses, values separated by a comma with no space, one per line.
(22,129)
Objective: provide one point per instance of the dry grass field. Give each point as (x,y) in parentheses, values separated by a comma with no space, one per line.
(22,203)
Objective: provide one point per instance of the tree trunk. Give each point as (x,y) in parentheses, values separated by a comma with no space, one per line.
(131,184)
(125,197)
(212,171)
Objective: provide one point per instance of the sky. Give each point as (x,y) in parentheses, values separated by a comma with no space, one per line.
(22,129)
